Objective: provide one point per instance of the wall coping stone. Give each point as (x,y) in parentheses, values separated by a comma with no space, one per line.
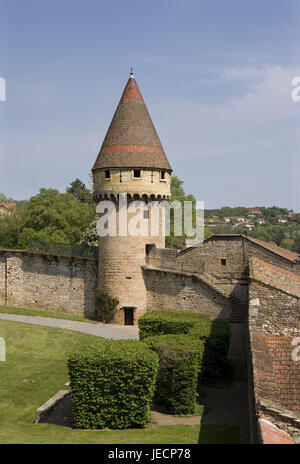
(281,410)
(271,434)
(43,410)
(45,253)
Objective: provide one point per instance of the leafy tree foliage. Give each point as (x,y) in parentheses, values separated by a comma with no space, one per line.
(55,217)
(90,236)
(3,197)
(49,216)
(285,235)
(11,225)
(177,193)
(80,191)
(107,306)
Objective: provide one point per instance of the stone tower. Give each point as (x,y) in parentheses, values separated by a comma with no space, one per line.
(131,161)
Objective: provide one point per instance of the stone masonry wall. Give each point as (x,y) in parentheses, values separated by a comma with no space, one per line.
(220,263)
(272,258)
(272,311)
(122,181)
(274,328)
(174,291)
(58,283)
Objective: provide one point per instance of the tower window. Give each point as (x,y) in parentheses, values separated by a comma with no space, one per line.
(163,175)
(107,174)
(146,214)
(223,262)
(137,173)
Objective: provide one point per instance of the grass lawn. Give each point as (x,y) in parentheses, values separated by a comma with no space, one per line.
(35,369)
(42,313)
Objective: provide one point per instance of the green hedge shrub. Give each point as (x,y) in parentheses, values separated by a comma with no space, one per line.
(112,384)
(217,342)
(215,334)
(106,306)
(180,360)
(169,322)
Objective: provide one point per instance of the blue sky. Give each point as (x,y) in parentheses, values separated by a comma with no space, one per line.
(215,75)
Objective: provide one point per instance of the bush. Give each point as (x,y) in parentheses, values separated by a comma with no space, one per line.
(169,322)
(107,306)
(214,333)
(112,384)
(180,360)
(217,341)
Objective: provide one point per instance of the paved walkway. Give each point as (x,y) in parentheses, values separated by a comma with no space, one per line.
(92,328)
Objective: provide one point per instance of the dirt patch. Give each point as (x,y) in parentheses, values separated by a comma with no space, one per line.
(159,418)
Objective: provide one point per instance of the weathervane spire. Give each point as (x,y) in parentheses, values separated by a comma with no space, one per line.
(131,73)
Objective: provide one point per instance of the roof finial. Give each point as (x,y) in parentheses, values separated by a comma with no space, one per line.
(131,73)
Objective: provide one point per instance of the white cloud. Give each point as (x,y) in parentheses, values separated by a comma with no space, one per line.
(262,119)
(261,124)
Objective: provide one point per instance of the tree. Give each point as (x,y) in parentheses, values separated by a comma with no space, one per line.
(90,236)
(177,193)
(55,217)
(80,191)
(262,234)
(3,197)
(207,233)
(287,243)
(11,225)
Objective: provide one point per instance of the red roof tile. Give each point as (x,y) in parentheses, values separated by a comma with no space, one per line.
(291,255)
(272,435)
(131,140)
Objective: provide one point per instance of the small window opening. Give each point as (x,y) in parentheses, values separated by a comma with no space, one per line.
(149,247)
(137,173)
(151,177)
(107,174)
(163,175)
(223,262)
(120,176)
(146,214)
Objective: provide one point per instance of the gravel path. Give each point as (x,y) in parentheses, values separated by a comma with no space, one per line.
(92,328)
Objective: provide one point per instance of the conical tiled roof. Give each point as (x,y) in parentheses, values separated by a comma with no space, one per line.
(131,140)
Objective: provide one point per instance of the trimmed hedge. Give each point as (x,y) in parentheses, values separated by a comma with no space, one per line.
(169,322)
(180,359)
(112,384)
(217,343)
(214,333)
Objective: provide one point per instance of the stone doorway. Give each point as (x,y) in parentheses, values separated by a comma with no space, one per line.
(128,315)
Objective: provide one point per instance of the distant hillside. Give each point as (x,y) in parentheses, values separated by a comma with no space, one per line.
(279,226)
